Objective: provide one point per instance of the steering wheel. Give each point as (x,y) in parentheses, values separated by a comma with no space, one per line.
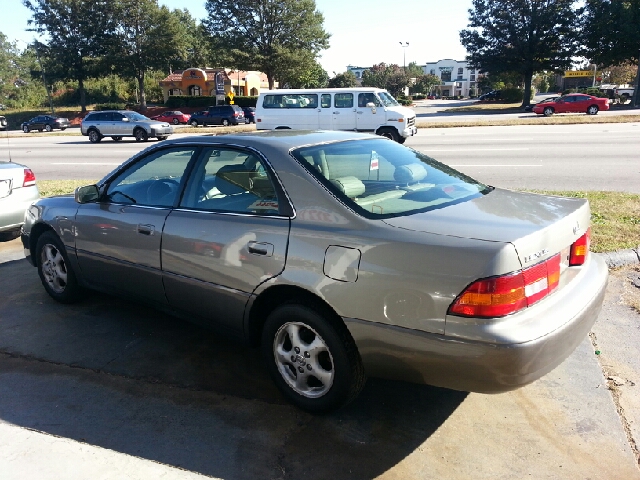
(162,191)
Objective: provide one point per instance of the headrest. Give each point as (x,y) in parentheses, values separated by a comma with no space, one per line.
(232,179)
(414,172)
(350,186)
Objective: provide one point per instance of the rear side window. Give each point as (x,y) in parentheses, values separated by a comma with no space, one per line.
(291,100)
(325,100)
(343,100)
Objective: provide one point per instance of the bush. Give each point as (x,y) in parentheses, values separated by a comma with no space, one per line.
(243,101)
(189,101)
(110,106)
(512,95)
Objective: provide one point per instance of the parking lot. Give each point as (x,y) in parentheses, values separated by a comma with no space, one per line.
(113,387)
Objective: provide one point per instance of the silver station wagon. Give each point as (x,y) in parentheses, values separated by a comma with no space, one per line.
(340,254)
(123,123)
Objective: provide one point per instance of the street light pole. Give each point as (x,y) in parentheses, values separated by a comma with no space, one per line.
(404,56)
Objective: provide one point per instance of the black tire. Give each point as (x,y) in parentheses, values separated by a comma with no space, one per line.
(340,375)
(48,128)
(94,135)
(26,129)
(175,121)
(390,133)
(54,269)
(592,110)
(623,98)
(548,111)
(193,123)
(225,122)
(402,139)
(141,135)
(116,139)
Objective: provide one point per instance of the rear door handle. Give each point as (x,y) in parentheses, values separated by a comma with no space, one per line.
(260,248)
(146,229)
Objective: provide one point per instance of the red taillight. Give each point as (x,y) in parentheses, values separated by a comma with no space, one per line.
(580,249)
(500,296)
(29,178)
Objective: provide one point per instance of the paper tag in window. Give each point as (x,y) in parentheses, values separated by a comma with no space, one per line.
(374,161)
(5,188)
(264,205)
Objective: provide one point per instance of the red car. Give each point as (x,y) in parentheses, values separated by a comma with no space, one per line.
(174,117)
(572,103)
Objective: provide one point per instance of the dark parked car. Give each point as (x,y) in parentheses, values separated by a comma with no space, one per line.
(220,115)
(45,122)
(339,253)
(249,114)
(492,95)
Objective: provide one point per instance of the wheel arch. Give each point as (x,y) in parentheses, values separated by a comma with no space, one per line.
(36,232)
(278,295)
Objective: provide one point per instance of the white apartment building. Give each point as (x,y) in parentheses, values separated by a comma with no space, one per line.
(457,78)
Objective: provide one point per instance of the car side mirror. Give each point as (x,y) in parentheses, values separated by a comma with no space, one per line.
(372,106)
(87,194)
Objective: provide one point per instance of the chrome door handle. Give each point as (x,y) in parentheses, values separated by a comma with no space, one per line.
(260,248)
(146,229)
(336,113)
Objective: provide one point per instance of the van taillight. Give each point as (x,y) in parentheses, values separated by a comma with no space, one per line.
(506,294)
(580,249)
(29,178)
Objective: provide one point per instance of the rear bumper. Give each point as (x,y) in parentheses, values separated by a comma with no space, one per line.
(481,366)
(13,207)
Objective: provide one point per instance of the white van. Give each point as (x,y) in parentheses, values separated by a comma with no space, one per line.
(363,109)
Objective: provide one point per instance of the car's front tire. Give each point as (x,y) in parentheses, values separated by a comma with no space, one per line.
(141,135)
(312,357)
(390,133)
(56,274)
(193,123)
(26,129)
(94,135)
(592,110)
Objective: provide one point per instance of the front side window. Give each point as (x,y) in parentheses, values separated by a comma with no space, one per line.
(230,180)
(153,181)
(379,178)
(366,98)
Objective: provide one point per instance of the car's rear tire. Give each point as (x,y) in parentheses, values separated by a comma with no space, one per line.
(225,122)
(54,269)
(390,133)
(116,139)
(141,135)
(592,110)
(312,357)
(26,129)
(175,121)
(548,111)
(623,98)
(193,123)
(48,128)
(94,135)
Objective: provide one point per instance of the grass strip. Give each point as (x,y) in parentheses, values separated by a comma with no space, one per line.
(615,216)
(555,120)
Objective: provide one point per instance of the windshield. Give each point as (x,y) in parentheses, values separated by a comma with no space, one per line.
(387,99)
(136,117)
(379,178)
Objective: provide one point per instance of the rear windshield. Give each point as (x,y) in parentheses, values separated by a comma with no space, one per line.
(379,178)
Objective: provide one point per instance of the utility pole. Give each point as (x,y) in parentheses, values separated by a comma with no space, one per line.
(404,45)
(44,78)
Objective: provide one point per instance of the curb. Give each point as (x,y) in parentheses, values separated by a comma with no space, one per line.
(621,258)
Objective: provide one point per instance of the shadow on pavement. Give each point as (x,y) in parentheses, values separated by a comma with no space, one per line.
(128,378)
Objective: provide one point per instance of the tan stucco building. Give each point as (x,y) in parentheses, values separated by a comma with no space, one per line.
(213,82)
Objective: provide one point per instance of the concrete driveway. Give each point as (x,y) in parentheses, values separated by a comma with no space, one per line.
(111,389)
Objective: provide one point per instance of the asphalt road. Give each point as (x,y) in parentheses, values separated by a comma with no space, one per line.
(557,157)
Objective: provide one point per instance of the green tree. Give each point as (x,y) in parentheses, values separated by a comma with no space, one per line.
(266,35)
(79,31)
(414,70)
(300,70)
(425,83)
(198,47)
(390,77)
(344,80)
(611,31)
(521,36)
(148,37)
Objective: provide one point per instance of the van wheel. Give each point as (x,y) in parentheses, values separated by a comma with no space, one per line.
(141,135)
(390,133)
(311,357)
(94,136)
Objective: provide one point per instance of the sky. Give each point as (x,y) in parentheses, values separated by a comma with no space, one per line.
(363,32)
